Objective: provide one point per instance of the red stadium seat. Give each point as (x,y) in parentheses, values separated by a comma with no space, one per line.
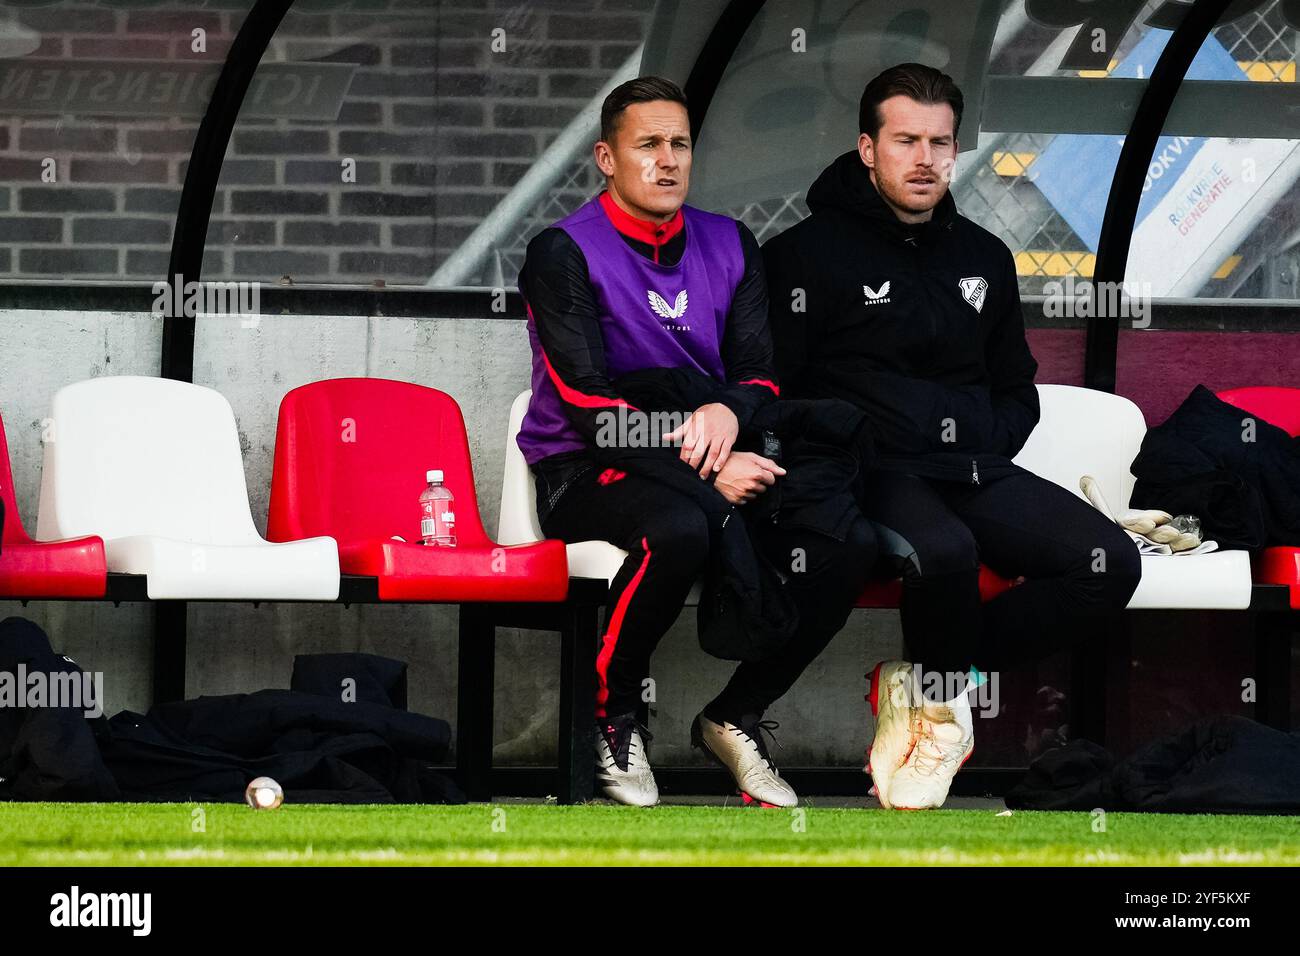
(350,462)
(72,568)
(888,593)
(1278,406)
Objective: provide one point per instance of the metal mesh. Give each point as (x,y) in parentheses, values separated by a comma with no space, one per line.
(995,194)
(580,182)
(1264,39)
(1009,205)
(999,197)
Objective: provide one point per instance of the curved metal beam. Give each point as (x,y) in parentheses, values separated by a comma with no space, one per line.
(1101,351)
(714,57)
(191,230)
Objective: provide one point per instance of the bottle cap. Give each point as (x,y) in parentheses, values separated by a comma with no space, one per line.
(433,474)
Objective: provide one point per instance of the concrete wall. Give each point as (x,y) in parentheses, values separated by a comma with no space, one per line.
(236,648)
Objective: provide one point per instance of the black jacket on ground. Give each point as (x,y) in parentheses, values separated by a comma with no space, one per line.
(1224,764)
(745,612)
(1246,492)
(46,753)
(319,746)
(884,314)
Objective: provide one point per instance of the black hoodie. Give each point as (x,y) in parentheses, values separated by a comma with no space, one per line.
(917,324)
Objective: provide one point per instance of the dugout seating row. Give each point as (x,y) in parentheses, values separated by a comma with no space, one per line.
(145,476)
(1080,432)
(143,481)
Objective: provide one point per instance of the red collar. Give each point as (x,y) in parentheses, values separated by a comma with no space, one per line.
(652,234)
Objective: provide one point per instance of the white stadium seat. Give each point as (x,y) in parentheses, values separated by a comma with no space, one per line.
(1083,431)
(153,466)
(518,521)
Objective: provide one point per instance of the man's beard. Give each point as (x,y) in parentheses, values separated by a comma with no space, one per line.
(896,192)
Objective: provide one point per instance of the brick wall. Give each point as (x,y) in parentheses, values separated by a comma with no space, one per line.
(439,125)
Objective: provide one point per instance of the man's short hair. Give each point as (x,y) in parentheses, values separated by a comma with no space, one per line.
(644,89)
(916,81)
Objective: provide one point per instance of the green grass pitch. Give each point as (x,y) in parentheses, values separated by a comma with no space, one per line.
(534,834)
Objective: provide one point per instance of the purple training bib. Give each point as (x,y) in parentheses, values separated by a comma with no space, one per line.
(651,315)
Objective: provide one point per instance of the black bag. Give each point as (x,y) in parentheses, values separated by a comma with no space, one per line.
(46,753)
(320,744)
(1199,461)
(320,741)
(1224,764)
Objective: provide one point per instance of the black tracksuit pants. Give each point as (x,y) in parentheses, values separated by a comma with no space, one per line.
(667,539)
(1077,566)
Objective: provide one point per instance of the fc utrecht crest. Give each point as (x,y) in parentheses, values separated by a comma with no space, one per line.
(663,309)
(973,291)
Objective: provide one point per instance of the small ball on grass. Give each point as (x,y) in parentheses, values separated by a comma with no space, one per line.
(263,793)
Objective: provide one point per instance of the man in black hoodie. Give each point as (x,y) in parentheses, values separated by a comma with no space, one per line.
(887,297)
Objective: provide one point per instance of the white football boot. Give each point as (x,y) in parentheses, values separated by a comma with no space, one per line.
(946,741)
(622,769)
(741,750)
(894,697)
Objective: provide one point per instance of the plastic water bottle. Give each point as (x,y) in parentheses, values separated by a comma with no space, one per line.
(437,513)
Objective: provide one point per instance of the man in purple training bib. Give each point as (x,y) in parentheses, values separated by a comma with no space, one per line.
(635,280)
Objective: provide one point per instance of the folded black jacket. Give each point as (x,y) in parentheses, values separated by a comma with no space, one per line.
(1239,474)
(1224,764)
(320,749)
(919,325)
(745,612)
(340,735)
(46,753)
